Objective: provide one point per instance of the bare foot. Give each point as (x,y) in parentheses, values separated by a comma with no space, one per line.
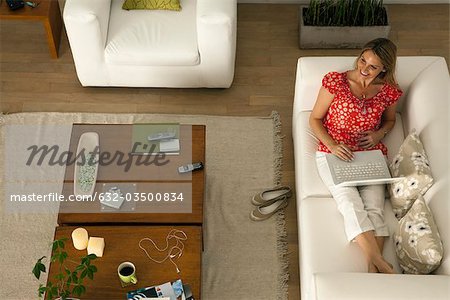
(372,268)
(383,266)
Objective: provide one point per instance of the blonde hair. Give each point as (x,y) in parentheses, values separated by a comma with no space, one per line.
(387,52)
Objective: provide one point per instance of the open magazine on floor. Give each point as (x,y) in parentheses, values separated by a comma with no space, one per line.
(173,291)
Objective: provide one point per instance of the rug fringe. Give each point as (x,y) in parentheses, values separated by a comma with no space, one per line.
(282,244)
(282,249)
(278,146)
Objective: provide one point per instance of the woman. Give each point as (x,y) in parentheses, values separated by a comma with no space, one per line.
(353,112)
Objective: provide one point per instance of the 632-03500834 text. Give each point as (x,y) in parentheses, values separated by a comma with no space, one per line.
(135,197)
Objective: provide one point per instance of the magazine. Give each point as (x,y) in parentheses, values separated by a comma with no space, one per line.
(173,291)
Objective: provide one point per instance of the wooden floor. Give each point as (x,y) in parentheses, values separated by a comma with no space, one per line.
(267,53)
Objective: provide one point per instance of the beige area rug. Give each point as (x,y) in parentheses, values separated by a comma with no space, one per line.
(241,260)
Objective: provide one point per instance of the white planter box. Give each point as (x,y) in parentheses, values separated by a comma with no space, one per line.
(311,37)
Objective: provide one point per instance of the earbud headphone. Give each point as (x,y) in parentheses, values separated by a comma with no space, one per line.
(174,252)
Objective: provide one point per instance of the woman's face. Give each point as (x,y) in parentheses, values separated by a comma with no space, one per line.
(369,65)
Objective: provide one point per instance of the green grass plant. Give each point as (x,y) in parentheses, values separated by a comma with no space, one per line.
(345,13)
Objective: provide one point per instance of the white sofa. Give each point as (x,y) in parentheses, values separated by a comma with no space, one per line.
(331,268)
(194,47)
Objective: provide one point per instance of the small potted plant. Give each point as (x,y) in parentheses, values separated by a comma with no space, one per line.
(342,23)
(68,281)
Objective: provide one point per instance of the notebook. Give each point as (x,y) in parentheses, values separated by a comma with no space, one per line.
(367,168)
(143,144)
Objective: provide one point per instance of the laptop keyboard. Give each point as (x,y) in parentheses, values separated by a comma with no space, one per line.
(359,172)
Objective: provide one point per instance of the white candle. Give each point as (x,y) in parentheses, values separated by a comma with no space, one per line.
(96,246)
(80,238)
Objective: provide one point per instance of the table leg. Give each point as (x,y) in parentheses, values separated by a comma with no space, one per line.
(53,26)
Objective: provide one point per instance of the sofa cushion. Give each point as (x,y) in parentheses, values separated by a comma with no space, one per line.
(357,286)
(324,246)
(418,244)
(152,38)
(152,4)
(412,163)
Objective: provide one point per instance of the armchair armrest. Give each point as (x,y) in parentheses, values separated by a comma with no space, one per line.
(86,24)
(216,29)
(355,286)
(216,7)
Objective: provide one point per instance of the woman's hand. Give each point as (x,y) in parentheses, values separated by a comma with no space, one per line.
(369,139)
(342,151)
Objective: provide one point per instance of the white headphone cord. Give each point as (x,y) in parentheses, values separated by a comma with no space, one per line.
(179,236)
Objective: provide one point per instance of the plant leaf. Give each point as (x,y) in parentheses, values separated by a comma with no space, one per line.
(79,267)
(61,257)
(90,274)
(55,245)
(36,272)
(42,267)
(83,274)
(76,290)
(75,277)
(41,290)
(38,268)
(93,269)
(83,289)
(92,256)
(65,294)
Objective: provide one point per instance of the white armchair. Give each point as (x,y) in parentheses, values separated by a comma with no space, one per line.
(194,47)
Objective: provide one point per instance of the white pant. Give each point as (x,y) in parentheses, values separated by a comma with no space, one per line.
(362,207)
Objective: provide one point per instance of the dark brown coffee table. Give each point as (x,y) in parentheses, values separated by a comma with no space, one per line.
(46,12)
(121,244)
(147,179)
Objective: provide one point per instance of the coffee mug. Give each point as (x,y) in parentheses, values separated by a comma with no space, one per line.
(127,272)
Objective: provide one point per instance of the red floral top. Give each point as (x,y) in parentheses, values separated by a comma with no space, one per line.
(348,116)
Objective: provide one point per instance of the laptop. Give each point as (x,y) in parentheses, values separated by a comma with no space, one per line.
(367,168)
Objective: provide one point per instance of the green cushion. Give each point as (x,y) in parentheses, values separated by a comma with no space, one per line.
(152,4)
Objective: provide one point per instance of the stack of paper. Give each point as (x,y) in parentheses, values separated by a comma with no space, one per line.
(172,145)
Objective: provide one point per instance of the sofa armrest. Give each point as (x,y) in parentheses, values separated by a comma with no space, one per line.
(86,24)
(356,286)
(216,29)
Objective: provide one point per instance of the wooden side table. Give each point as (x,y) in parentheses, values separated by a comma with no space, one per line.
(47,12)
(122,244)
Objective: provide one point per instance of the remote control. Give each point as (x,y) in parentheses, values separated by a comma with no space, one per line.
(190,167)
(161,136)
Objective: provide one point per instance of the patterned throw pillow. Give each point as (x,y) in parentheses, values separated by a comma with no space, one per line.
(152,4)
(418,244)
(411,162)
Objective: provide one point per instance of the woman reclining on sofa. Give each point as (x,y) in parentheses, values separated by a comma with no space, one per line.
(354,110)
